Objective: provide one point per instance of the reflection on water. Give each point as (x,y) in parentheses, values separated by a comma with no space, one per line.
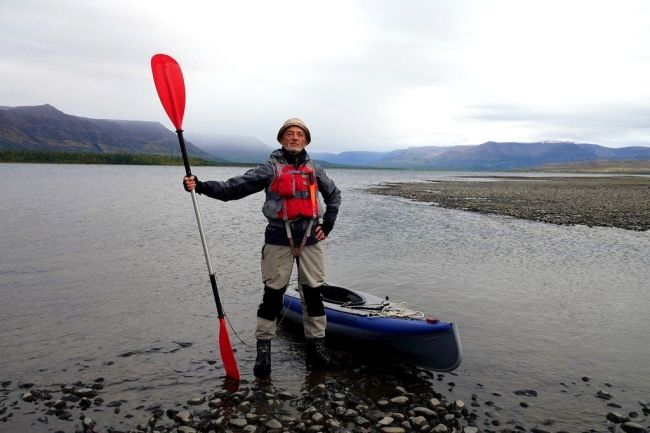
(102,261)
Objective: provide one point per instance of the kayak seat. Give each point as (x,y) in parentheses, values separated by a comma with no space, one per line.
(340,295)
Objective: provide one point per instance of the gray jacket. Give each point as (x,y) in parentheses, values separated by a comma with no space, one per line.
(260,178)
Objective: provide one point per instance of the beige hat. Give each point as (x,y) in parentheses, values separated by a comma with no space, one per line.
(294,122)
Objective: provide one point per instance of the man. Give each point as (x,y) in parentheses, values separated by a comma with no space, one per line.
(296,226)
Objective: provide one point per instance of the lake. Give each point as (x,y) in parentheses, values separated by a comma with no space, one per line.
(102,275)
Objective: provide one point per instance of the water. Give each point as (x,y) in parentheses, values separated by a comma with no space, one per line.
(102,274)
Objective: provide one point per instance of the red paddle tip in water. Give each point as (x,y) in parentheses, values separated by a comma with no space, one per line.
(168,77)
(227,353)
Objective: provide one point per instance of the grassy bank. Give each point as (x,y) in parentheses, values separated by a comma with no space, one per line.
(23,156)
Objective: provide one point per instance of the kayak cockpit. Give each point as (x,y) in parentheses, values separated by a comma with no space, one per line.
(340,295)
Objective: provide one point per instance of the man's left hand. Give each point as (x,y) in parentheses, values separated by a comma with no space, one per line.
(320,234)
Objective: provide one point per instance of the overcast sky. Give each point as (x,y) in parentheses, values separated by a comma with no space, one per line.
(365,75)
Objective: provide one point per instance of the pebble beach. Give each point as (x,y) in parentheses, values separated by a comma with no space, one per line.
(375,398)
(621,201)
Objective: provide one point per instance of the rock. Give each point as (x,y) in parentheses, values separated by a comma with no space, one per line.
(361,421)
(401,400)
(252,417)
(287,396)
(85,392)
(316,428)
(419,421)
(526,392)
(459,404)
(317,417)
(385,421)
(423,411)
(196,401)
(393,430)
(350,413)
(238,422)
(71,398)
(586,378)
(632,427)
(604,395)
(617,418)
(383,403)
(250,429)
(28,397)
(185,429)
(440,428)
(68,389)
(469,429)
(274,424)
(333,424)
(215,402)
(434,403)
(400,390)
(183,417)
(89,423)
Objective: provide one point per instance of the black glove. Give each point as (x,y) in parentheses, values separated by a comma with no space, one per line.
(327,227)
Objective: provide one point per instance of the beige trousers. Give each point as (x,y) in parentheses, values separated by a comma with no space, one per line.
(277,265)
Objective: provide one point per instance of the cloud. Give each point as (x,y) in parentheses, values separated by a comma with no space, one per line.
(372,75)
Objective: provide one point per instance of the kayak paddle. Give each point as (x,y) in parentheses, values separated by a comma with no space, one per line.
(168,77)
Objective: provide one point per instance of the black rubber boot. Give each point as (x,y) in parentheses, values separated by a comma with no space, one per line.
(262,366)
(318,356)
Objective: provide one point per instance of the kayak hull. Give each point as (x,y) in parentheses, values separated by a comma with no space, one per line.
(370,321)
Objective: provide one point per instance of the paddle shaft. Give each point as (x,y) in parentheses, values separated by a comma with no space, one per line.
(197,211)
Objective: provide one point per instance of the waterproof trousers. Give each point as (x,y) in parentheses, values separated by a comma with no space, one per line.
(277,265)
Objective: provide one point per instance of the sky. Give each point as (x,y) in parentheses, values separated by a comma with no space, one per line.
(371,75)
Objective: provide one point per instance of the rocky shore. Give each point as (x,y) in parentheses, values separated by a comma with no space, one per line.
(617,201)
(331,405)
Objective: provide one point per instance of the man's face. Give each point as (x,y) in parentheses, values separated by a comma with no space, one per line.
(294,139)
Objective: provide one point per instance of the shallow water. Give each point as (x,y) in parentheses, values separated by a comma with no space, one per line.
(102,274)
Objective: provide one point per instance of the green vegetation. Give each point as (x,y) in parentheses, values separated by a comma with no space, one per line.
(98,158)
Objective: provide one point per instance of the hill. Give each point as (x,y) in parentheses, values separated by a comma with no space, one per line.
(44,128)
(490,156)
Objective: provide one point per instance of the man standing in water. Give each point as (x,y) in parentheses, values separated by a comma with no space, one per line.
(295,228)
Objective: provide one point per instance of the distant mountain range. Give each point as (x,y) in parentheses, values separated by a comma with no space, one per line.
(44,128)
(490,156)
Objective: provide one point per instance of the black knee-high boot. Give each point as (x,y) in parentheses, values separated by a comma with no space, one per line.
(262,366)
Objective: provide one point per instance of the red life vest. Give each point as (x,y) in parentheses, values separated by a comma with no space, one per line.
(298,190)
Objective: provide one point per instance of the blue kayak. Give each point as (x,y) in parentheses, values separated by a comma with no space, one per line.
(365,318)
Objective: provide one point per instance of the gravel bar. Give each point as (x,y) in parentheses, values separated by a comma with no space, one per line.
(613,201)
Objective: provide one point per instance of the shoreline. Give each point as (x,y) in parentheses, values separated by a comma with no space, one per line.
(402,401)
(607,201)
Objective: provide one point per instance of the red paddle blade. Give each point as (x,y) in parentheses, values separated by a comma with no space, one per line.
(168,77)
(227,354)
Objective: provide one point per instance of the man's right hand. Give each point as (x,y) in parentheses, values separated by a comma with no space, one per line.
(189,182)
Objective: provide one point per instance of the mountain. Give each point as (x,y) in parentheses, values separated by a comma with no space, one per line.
(233,148)
(488,156)
(44,128)
(512,155)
